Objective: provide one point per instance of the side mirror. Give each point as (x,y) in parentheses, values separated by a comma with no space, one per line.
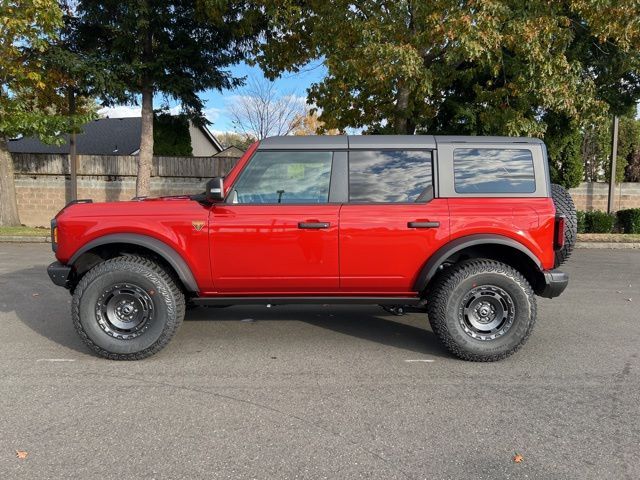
(215,189)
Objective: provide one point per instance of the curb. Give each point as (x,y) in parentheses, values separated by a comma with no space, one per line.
(609,245)
(24,239)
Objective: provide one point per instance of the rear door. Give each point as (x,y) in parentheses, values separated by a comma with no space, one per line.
(278,232)
(392,222)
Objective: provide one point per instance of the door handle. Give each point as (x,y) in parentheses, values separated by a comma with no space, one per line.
(313,225)
(423,224)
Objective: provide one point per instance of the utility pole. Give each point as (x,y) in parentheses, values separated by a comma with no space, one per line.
(612,175)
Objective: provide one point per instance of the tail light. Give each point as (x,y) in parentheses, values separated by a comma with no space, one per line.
(558,236)
(54,235)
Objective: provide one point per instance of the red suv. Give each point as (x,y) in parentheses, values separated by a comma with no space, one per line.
(468,228)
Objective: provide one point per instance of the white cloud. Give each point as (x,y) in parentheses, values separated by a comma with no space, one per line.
(120,111)
(212,113)
(126,111)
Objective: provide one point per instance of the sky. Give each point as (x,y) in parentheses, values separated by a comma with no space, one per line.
(217,103)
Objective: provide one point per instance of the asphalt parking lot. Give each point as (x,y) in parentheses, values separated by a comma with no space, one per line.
(323,392)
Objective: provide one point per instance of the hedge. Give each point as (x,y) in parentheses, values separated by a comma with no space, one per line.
(629,220)
(581,221)
(598,222)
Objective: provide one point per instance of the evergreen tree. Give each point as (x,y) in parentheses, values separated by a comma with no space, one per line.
(168,48)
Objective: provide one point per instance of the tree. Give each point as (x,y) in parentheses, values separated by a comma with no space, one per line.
(233,139)
(171,135)
(30,103)
(310,124)
(596,150)
(169,48)
(564,142)
(260,111)
(628,145)
(458,67)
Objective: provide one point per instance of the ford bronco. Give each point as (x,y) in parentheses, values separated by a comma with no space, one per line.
(469,229)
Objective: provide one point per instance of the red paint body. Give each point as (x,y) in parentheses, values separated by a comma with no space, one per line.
(259,249)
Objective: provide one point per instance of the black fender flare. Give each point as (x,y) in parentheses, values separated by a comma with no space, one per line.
(163,250)
(430,268)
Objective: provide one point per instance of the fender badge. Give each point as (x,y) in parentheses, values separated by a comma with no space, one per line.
(198,225)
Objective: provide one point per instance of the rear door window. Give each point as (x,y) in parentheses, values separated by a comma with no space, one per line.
(492,170)
(390,176)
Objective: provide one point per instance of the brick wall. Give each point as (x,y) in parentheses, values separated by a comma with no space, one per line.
(594,196)
(40,197)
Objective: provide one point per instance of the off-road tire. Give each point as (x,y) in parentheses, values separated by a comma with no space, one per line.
(445,306)
(565,206)
(166,298)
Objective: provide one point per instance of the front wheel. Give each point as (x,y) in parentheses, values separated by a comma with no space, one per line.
(482,310)
(127,308)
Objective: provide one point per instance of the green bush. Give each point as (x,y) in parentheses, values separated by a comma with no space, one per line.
(598,222)
(581,221)
(629,220)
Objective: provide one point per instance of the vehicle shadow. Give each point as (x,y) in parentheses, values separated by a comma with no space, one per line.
(369,323)
(45,309)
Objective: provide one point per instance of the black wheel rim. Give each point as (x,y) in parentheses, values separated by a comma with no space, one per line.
(124,311)
(486,312)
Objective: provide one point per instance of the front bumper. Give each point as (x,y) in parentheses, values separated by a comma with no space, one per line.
(555,282)
(59,274)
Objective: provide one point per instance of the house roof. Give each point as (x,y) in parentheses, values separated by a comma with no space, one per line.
(105,136)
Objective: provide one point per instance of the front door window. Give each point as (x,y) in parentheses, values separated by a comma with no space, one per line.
(285,177)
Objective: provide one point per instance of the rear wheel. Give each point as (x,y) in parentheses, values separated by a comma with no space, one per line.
(482,310)
(565,206)
(127,308)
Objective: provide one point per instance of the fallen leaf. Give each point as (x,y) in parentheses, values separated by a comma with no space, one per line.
(518,458)
(35,294)
(21,454)
(628,299)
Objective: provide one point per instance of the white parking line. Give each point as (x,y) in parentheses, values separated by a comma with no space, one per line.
(55,360)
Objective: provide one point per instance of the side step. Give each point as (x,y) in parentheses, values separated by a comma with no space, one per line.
(307,300)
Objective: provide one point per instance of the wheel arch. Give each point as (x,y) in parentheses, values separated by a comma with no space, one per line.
(496,247)
(101,248)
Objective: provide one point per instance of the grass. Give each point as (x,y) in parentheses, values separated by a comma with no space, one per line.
(25,231)
(609,237)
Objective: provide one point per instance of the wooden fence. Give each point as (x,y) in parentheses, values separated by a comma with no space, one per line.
(122,165)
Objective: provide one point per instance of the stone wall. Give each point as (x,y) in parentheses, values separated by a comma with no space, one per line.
(594,196)
(42,186)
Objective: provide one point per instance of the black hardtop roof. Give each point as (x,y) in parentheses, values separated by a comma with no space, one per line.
(320,142)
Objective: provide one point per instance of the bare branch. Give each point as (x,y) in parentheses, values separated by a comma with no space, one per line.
(260,111)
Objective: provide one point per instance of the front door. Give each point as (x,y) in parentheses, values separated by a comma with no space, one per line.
(277,233)
(392,223)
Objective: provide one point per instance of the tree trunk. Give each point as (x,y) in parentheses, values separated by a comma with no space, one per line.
(73,153)
(8,204)
(402,124)
(145,158)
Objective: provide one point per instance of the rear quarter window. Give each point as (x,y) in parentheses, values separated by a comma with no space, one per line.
(493,170)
